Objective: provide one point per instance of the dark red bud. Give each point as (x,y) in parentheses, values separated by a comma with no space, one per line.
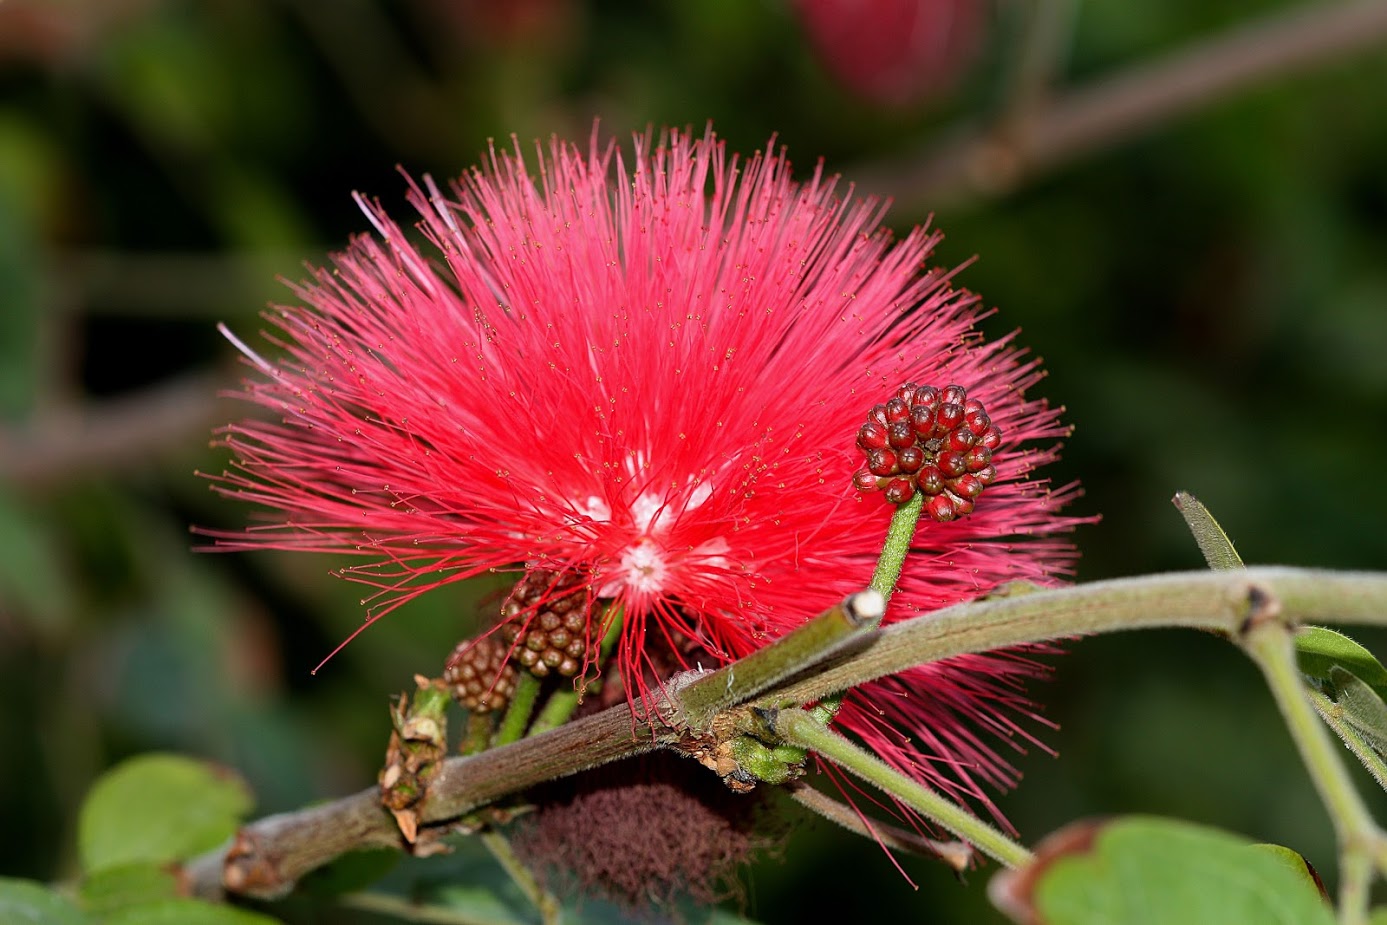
(991,438)
(911,459)
(966,486)
(978,458)
(900,491)
(962,507)
(952,464)
(941,508)
(926,396)
(882,462)
(930,480)
(871,436)
(864,480)
(906,392)
(986,474)
(971,405)
(977,421)
(961,439)
(954,395)
(922,420)
(878,414)
(897,411)
(949,416)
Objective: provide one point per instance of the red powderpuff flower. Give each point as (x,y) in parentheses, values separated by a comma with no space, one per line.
(649,371)
(896,52)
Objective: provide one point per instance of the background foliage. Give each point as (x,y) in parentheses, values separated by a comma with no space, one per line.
(1210,299)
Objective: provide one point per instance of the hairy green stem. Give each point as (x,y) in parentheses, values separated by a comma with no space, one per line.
(1217,601)
(806,645)
(478,734)
(899,535)
(1333,716)
(1268,641)
(522,876)
(799,728)
(956,854)
(522,704)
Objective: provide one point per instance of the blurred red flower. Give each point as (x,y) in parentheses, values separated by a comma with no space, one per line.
(895,52)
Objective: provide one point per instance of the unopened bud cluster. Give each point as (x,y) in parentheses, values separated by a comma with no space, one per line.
(546,623)
(478,675)
(935,441)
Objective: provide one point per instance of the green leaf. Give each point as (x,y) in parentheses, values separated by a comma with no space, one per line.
(158,808)
(187,912)
(1213,542)
(114,888)
(1147,871)
(1296,865)
(1379,916)
(1319,649)
(24,902)
(1361,707)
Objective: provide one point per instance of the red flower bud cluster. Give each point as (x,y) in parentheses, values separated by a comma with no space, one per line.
(937,441)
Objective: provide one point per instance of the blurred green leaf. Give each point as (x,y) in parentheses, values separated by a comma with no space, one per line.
(1319,649)
(1213,541)
(24,902)
(1296,865)
(187,912)
(112,889)
(32,575)
(20,307)
(158,808)
(1145,869)
(351,872)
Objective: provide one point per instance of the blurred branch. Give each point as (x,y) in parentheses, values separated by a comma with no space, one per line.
(981,160)
(267,857)
(1040,55)
(175,285)
(108,435)
(363,45)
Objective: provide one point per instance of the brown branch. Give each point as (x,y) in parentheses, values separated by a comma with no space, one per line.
(108,435)
(982,160)
(270,855)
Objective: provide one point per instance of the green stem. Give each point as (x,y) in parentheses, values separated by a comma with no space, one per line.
(1269,642)
(1206,600)
(407,910)
(563,702)
(478,735)
(543,900)
(802,647)
(1333,716)
(899,535)
(956,854)
(522,704)
(897,546)
(799,728)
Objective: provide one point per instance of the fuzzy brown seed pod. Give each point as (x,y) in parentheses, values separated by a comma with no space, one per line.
(547,628)
(478,675)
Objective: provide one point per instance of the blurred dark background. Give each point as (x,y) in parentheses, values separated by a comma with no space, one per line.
(1208,288)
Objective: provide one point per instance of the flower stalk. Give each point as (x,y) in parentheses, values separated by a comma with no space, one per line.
(800,728)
